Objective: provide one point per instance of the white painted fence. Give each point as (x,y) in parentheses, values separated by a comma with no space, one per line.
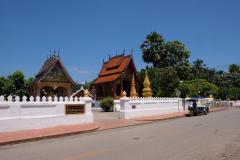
(138,106)
(41,113)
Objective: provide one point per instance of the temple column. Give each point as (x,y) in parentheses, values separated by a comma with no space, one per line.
(38,90)
(113,88)
(121,85)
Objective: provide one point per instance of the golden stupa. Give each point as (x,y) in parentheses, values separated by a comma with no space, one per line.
(147,91)
(133,92)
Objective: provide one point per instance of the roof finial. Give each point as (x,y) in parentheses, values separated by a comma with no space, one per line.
(109,56)
(54,53)
(131,52)
(58,52)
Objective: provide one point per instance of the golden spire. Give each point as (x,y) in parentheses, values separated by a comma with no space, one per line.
(147,91)
(133,92)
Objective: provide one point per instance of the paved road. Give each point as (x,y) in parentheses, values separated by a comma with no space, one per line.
(212,137)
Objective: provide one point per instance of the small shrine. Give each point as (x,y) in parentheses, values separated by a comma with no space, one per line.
(118,74)
(52,79)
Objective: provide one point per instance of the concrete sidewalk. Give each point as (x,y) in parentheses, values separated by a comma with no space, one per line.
(53,132)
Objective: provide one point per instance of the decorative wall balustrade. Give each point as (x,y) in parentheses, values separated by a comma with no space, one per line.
(22,113)
(41,99)
(155,99)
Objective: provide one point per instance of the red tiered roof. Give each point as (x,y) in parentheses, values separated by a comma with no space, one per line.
(112,69)
(109,78)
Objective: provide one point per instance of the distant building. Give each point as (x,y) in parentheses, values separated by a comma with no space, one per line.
(52,80)
(116,76)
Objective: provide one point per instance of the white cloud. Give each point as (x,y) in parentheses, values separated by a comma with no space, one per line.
(80,71)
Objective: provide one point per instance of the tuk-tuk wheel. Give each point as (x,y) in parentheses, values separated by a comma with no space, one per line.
(205,112)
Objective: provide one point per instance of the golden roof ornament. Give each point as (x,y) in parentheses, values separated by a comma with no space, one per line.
(133,92)
(86,93)
(147,91)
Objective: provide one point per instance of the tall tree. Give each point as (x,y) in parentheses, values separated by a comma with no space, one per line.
(3,82)
(198,66)
(153,49)
(17,83)
(234,68)
(163,54)
(168,80)
(176,53)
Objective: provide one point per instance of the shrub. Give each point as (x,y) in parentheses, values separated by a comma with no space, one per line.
(107,104)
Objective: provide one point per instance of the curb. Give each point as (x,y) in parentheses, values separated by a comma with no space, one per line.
(11,142)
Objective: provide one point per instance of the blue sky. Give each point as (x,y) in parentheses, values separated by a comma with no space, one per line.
(87,31)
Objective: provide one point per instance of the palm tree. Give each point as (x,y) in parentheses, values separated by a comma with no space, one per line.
(153,49)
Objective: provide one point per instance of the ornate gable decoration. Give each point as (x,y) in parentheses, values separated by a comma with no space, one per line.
(55,74)
(53,71)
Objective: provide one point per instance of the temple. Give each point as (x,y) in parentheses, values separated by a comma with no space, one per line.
(52,80)
(116,76)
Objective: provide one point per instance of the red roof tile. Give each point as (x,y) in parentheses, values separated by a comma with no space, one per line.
(115,65)
(109,78)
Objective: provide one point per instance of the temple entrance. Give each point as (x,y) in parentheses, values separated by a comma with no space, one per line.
(126,86)
(118,90)
(60,91)
(47,91)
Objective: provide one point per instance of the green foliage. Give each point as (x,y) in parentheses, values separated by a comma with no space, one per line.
(168,80)
(194,88)
(153,49)
(234,68)
(107,104)
(3,82)
(17,83)
(14,84)
(163,54)
(232,93)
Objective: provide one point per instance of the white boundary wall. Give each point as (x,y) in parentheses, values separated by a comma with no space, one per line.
(236,103)
(138,106)
(36,113)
